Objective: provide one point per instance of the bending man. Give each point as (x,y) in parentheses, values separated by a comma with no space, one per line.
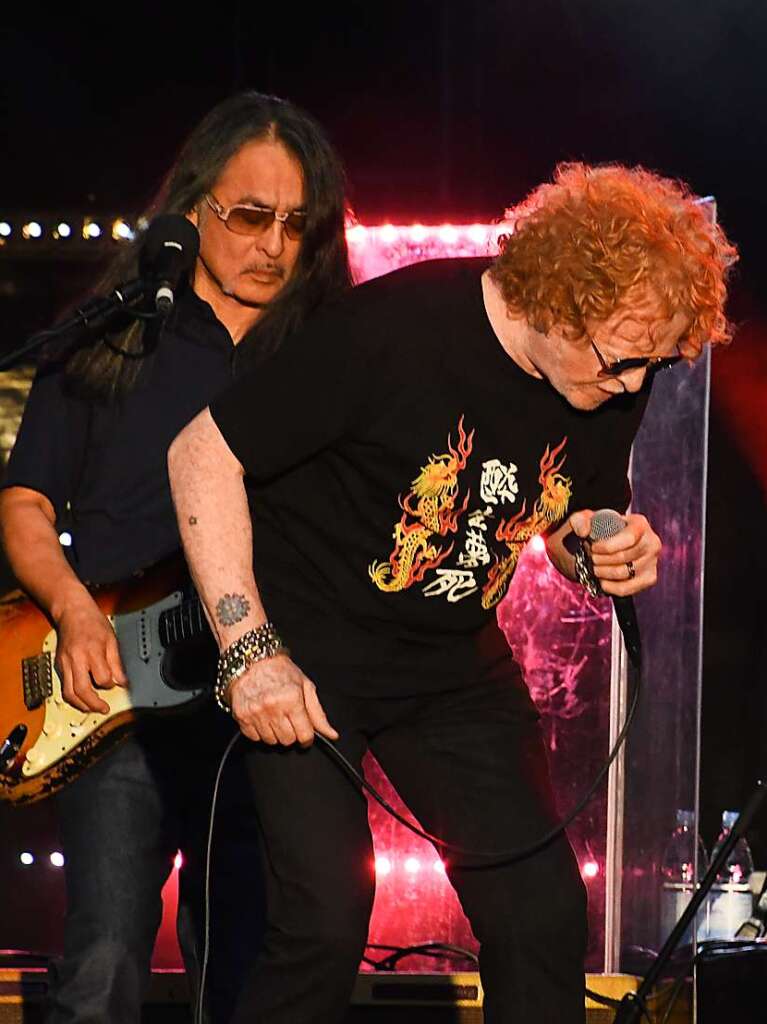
(452,410)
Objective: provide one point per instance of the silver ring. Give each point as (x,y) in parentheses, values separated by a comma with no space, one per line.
(631,569)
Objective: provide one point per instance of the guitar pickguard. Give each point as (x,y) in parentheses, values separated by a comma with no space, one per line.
(65,728)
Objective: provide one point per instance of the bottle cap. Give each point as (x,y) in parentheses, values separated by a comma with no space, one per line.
(729,818)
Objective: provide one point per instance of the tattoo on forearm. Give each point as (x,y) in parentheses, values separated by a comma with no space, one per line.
(232,608)
(193,520)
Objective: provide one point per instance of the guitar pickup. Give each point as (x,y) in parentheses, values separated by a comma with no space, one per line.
(37,676)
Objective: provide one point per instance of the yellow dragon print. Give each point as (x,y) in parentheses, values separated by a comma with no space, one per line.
(430,509)
(550,507)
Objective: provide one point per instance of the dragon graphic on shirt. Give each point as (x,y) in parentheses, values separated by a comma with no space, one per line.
(431,509)
(550,507)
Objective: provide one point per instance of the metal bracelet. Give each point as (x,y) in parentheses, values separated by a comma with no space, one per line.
(584,572)
(255,645)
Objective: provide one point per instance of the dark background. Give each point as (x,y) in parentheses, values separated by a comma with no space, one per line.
(446,111)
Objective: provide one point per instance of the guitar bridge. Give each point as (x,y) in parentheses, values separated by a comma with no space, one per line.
(37,676)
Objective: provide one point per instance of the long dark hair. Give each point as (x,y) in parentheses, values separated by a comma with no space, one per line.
(110,368)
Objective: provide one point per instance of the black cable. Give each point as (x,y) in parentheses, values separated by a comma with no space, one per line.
(436,950)
(496,857)
(198,1017)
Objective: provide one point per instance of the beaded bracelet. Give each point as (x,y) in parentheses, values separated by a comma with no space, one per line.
(255,645)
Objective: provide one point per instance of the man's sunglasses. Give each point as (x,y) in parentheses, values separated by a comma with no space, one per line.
(651,363)
(254,220)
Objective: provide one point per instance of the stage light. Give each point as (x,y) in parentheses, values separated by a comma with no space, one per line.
(412,865)
(57,859)
(477,234)
(5,229)
(26,858)
(439,866)
(32,230)
(418,233)
(122,231)
(178,861)
(448,234)
(65,539)
(356,234)
(389,233)
(63,230)
(590,869)
(538,544)
(91,229)
(383,866)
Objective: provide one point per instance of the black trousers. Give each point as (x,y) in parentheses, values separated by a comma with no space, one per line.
(471,766)
(122,822)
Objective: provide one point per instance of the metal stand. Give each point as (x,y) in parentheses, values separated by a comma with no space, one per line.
(633,1006)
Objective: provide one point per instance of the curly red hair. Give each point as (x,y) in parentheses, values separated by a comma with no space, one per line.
(580,244)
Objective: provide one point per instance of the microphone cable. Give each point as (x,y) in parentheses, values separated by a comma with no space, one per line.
(493,858)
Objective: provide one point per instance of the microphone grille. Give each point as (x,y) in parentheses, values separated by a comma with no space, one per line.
(605,524)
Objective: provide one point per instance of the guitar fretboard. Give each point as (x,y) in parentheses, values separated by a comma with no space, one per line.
(184,622)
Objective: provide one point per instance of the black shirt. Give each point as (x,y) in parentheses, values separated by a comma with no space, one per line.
(399,460)
(109,459)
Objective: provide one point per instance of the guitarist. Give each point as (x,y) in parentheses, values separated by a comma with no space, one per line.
(266,191)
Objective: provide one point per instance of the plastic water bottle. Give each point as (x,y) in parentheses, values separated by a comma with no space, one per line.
(678,872)
(731,901)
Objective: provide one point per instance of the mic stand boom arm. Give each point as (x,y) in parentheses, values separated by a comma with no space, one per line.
(92,318)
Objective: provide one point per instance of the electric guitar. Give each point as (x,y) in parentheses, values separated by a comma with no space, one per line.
(168,653)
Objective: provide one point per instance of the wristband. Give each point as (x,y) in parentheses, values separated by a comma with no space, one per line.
(255,645)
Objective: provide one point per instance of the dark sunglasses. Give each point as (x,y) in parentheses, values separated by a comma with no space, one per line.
(651,363)
(254,220)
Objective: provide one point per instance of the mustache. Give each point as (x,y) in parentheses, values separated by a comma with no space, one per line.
(265,268)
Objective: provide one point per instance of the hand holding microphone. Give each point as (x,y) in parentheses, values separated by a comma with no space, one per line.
(623,553)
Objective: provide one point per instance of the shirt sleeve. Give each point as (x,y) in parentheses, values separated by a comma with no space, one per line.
(51,440)
(312,392)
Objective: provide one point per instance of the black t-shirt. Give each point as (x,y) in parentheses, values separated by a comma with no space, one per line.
(108,460)
(399,459)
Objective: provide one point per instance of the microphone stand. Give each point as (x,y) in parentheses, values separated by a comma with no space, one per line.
(633,1006)
(92,318)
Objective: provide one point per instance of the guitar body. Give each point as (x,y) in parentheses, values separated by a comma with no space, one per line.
(168,654)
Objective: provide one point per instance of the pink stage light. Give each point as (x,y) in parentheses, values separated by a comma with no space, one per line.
(439,866)
(538,544)
(383,866)
(178,861)
(590,869)
(412,865)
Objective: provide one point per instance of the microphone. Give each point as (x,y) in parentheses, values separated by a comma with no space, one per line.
(169,250)
(605,524)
